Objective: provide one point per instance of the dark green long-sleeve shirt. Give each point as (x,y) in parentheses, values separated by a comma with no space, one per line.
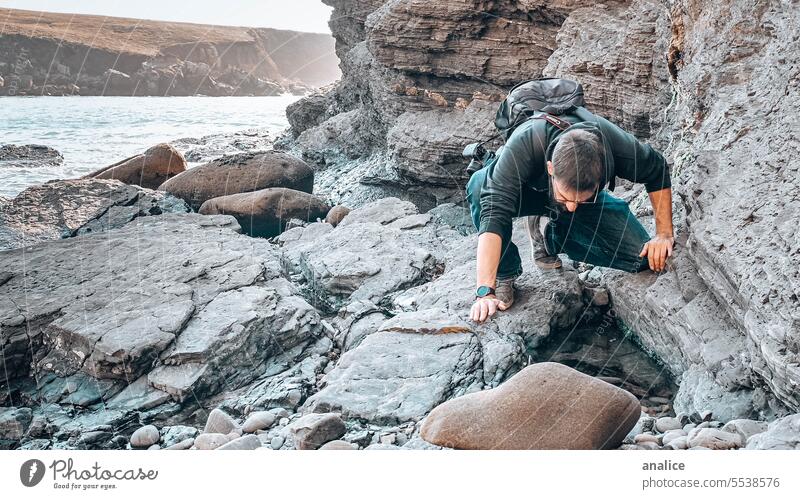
(522,163)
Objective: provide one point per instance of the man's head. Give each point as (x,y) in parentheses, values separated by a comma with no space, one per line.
(577,168)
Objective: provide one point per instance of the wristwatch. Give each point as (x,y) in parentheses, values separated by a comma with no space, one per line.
(484,291)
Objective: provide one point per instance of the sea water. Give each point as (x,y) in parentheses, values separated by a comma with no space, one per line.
(93,132)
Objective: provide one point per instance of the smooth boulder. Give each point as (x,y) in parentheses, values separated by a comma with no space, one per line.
(544,406)
(264,213)
(150,169)
(238,173)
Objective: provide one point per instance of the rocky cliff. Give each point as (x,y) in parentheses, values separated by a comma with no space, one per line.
(122,310)
(64,54)
(714,85)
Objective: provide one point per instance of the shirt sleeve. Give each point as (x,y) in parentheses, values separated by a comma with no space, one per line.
(634,160)
(501,192)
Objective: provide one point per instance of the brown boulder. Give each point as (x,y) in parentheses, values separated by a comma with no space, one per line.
(238,173)
(264,213)
(151,169)
(336,214)
(544,406)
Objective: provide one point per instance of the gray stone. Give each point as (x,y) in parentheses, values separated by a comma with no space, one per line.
(145,436)
(259,420)
(671,435)
(714,439)
(666,424)
(63,208)
(210,441)
(276,442)
(745,428)
(247,442)
(14,422)
(783,433)
(182,445)
(313,430)
(220,422)
(396,377)
(29,155)
(338,445)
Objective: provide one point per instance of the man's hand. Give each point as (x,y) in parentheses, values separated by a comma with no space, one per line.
(657,250)
(485,307)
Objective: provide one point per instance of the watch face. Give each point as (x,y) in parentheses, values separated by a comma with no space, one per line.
(483,291)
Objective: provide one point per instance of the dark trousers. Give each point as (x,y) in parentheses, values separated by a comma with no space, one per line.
(605,233)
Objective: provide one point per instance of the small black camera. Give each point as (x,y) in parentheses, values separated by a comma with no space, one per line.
(478,156)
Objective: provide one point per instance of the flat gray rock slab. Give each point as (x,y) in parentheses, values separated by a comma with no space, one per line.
(63,208)
(394,377)
(113,306)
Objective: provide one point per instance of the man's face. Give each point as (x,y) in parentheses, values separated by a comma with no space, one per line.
(565,196)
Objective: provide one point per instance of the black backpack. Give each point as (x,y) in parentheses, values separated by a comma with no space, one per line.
(543,98)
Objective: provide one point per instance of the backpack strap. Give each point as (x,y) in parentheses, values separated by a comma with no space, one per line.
(552,119)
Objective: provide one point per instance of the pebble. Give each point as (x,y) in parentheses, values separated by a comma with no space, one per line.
(649,445)
(645,437)
(247,442)
(145,437)
(219,422)
(683,418)
(666,424)
(182,445)
(705,415)
(235,434)
(313,430)
(277,442)
(689,426)
(746,428)
(678,443)
(381,447)
(280,412)
(154,447)
(671,435)
(389,439)
(210,441)
(338,445)
(712,438)
(260,420)
(283,421)
(660,400)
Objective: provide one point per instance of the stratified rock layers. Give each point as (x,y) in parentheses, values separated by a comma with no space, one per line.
(688,77)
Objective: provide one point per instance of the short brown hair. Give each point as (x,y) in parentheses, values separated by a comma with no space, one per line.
(578,160)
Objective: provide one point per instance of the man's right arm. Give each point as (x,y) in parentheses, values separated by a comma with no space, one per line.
(500,197)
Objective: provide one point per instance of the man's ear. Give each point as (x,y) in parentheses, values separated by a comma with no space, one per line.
(550,168)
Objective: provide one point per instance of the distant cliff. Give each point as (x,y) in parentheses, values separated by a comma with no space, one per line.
(66,54)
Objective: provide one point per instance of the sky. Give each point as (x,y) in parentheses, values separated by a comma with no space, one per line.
(299,15)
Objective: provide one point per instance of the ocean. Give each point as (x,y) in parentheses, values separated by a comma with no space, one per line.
(92,132)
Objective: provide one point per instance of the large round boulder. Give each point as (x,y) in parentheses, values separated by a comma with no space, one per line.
(264,213)
(238,173)
(544,406)
(150,169)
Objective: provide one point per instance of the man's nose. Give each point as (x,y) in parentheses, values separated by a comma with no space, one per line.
(571,207)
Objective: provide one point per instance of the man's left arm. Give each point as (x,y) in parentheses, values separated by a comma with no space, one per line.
(659,248)
(639,162)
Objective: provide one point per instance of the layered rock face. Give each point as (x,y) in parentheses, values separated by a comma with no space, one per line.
(64,54)
(711,85)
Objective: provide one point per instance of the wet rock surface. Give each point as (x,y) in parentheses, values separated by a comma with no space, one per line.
(64,208)
(28,156)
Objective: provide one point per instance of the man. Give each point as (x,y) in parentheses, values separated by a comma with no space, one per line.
(554,171)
